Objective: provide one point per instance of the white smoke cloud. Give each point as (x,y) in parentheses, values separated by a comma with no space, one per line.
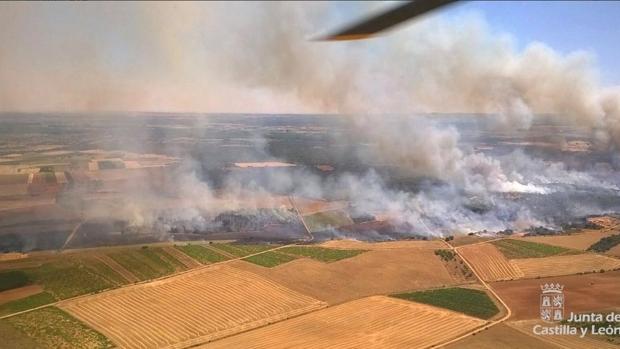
(256,57)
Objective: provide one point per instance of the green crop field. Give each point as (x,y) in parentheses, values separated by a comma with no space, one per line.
(202,254)
(104,271)
(145,263)
(62,277)
(270,259)
(13,279)
(168,258)
(514,249)
(68,277)
(320,253)
(464,300)
(26,303)
(325,220)
(51,327)
(239,250)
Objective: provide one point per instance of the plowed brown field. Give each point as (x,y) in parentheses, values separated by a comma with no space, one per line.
(614,251)
(565,265)
(566,341)
(489,262)
(501,336)
(189,309)
(370,273)
(583,293)
(18,293)
(374,322)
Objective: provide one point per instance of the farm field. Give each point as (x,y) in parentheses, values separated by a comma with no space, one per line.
(515,249)
(239,250)
(116,267)
(327,219)
(270,259)
(310,206)
(55,276)
(470,302)
(26,303)
(370,273)
(204,304)
(584,293)
(146,262)
(13,279)
(184,259)
(500,336)
(615,251)
(20,292)
(463,240)
(489,262)
(577,241)
(570,342)
(605,244)
(13,338)
(52,328)
(320,253)
(62,277)
(385,245)
(565,265)
(373,322)
(202,254)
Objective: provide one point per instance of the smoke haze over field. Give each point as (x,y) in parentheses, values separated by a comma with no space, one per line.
(256,57)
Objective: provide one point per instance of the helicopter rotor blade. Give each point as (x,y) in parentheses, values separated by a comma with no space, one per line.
(375,24)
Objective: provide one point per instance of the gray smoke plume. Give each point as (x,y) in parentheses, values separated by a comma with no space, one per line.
(255,57)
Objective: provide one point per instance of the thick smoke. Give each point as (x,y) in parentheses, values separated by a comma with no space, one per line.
(219,57)
(256,57)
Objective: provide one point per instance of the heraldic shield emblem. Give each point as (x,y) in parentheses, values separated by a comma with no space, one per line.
(552,302)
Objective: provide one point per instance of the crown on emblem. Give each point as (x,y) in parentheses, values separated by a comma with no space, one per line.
(552,288)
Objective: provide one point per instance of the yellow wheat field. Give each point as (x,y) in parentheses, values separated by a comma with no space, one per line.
(189,309)
(561,341)
(489,262)
(565,265)
(373,322)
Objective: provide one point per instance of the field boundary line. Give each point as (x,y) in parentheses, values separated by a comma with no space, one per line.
(172,250)
(193,270)
(70,237)
(218,251)
(301,218)
(488,325)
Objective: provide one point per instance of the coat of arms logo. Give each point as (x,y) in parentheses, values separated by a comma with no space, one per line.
(552,302)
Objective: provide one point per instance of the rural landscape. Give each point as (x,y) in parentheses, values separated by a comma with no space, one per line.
(246,175)
(95,257)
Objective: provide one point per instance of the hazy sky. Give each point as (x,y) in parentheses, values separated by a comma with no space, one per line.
(207,57)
